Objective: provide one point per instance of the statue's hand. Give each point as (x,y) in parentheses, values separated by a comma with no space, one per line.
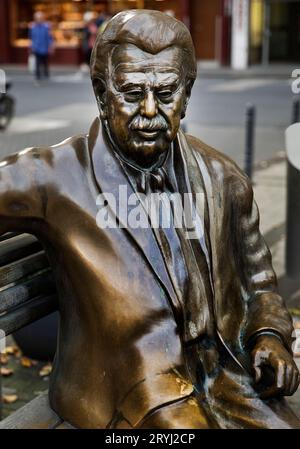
(269,355)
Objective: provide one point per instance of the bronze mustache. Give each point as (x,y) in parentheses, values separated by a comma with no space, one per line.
(144,124)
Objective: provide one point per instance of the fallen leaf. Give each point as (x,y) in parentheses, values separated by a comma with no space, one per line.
(26,362)
(45,370)
(5,372)
(297,324)
(296,354)
(3,359)
(9,398)
(10,350)
(13,350)
(18,353)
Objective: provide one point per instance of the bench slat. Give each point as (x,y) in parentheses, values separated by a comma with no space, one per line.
(27,293)
(37,414)
(20,269)
(27,313)
(41,284)
(9,235)
(18,247)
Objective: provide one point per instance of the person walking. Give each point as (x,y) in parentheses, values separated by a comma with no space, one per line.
(41,45)
(90,32)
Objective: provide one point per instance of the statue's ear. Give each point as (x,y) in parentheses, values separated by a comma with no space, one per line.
(188,90)
(100,93)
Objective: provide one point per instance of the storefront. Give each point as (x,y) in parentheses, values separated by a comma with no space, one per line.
(67,22)
(274,31)
(66,19)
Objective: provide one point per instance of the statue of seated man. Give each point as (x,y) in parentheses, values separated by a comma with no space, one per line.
(161,326)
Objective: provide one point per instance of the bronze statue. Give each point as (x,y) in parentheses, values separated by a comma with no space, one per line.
(157,330)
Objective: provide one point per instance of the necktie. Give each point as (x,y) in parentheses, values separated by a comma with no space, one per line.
(153,181)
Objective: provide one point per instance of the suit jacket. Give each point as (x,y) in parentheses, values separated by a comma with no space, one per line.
(120,346)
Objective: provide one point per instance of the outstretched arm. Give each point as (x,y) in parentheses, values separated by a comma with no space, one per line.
(21,191)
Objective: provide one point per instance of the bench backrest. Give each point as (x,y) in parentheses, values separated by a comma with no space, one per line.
(27,287)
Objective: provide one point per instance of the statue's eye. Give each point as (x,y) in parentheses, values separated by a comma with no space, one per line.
(133,95)
(164,94)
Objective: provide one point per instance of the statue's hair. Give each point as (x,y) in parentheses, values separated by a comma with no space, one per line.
(151,31)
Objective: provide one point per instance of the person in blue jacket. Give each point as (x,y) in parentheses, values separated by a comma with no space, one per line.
(41,44)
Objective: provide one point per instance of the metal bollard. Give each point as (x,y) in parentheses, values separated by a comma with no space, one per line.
(296,111)
(292,255)
(250,132)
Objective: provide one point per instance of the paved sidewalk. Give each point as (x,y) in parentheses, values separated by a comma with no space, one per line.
(269,185)
(231,140)
(270,193)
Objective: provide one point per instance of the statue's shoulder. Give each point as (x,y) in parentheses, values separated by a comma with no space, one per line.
(220,166)
(72,146)
(65,149)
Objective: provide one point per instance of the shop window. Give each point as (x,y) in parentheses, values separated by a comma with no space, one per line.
(256,30)
(65,17)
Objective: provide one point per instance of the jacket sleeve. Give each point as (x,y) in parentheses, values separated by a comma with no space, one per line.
(266,311)
(22,195)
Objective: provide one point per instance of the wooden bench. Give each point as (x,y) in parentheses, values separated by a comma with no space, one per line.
(27,293)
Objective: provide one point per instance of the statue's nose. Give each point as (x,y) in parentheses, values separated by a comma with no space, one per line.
(149,106)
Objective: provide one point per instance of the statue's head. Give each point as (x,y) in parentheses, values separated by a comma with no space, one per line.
(143,68)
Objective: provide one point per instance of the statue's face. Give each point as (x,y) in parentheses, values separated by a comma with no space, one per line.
(145,100)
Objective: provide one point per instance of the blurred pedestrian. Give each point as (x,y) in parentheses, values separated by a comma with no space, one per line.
(102,27)
(101,18)
(90,32)
(41,45)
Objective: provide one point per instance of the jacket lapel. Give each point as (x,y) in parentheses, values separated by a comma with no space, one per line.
(109,176)
(208,192)
(195,185)
(214,223)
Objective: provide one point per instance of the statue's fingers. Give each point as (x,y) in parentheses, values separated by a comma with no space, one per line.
(289,379)
(294,382)
(297,382)
(278,385)
(280,373)
(256,363)
(257,373)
